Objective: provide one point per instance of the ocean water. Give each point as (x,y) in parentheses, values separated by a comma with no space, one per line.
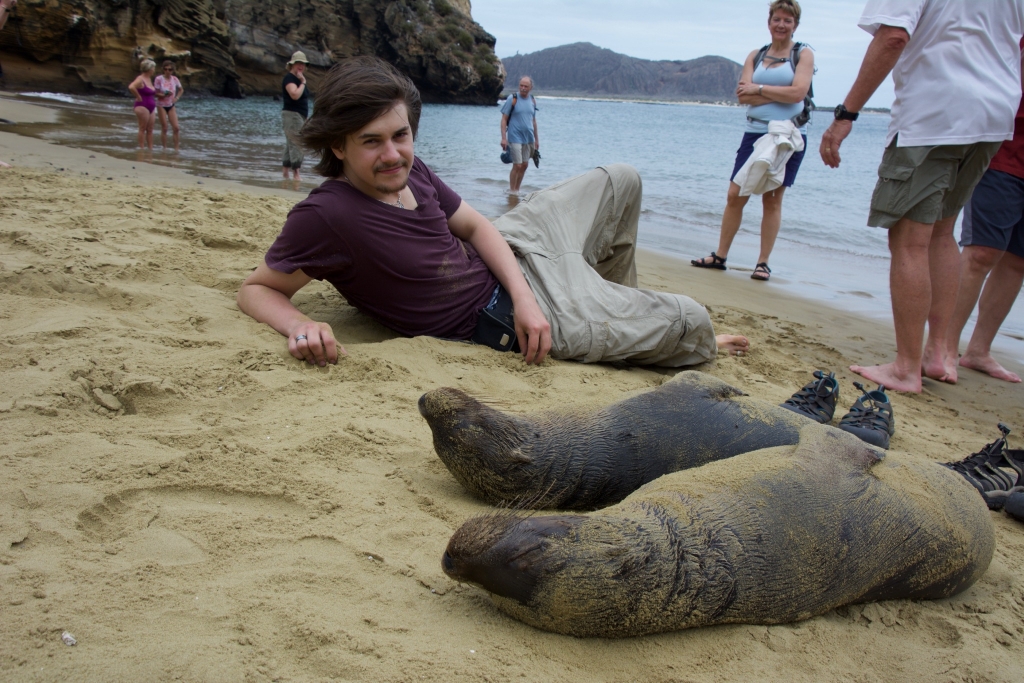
(684,154)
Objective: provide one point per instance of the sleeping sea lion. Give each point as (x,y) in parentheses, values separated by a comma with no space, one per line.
(769,537)
(589,459)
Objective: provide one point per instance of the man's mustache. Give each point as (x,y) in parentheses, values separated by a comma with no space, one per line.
(387,167)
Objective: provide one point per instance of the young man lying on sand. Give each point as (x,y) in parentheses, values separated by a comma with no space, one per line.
(403,248)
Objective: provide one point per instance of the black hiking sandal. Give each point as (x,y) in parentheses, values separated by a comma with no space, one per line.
(986,471)
(817,400)
(762,272)
(870,418)
(716,262)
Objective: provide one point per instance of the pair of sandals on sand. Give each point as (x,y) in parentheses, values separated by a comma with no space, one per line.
(870,418)
(761,271)
(997,472)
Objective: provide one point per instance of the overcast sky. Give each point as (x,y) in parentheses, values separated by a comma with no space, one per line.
(685,29)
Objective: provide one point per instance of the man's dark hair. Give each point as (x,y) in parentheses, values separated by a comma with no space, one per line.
(354,92)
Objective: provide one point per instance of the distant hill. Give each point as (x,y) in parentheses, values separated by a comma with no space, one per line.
(586,69)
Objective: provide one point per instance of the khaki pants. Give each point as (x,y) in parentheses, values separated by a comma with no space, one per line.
(575,242)
(291,122)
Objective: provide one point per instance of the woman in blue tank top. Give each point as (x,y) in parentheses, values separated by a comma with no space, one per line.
(773,91)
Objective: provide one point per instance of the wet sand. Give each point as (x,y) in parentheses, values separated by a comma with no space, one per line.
(191,503)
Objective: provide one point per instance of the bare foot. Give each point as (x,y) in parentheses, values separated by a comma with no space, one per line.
(735,344)
(941,369)
(887,375)
(989,366)
(4,165)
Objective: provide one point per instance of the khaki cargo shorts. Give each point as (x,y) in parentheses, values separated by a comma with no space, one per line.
(927,184)
(521,153)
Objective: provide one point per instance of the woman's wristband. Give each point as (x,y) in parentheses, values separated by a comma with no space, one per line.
(760,90)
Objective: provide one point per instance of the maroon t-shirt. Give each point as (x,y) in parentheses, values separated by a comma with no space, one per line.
(1010,157)
(403,268)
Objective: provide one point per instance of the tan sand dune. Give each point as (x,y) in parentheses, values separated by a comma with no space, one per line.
(191,503)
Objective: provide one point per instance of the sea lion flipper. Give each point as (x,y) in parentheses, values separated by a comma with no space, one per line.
(821,440)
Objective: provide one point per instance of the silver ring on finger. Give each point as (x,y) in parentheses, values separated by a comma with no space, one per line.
(299,337)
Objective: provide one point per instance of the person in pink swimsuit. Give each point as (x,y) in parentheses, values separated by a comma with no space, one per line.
(168,92)
(145,101)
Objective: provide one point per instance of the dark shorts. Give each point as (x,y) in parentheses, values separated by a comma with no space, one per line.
(747,148)
(994,215)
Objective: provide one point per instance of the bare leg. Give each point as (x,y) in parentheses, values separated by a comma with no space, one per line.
(997,299)
(734,344)
(151,119)
(771,220)
(163,127)
(172,116)
(515,176)
(284,172)
(142,114)
(944,269)
(911,291)
(975,264)
(731,219)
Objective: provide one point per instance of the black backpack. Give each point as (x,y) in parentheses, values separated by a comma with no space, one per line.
(803,117)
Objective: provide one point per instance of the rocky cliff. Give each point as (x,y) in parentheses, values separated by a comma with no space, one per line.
(234,47)
(585,69)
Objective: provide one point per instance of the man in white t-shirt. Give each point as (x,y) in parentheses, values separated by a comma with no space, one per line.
(956,66)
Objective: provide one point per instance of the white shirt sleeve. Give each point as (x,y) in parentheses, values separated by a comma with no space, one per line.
(901,13)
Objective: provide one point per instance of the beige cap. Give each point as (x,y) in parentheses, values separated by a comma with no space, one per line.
(298,56)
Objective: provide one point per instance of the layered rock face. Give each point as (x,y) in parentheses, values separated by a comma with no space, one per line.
(585,69)
(236,47)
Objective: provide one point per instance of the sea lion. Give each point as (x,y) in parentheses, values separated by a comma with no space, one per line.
(769,537)
(590,459)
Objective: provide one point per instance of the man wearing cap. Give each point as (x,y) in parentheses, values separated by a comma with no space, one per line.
(296,108)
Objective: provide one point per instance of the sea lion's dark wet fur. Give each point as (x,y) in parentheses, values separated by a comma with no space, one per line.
(769,537)
(590,459)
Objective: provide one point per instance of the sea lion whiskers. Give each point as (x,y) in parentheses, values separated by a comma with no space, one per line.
(498,403)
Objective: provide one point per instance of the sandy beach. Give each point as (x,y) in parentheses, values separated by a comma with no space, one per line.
(191,503)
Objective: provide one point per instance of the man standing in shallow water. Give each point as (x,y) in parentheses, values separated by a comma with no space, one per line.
(519,131)
(956,66)
(404,248)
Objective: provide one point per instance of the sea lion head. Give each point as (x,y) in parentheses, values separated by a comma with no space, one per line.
(478,444)
(598,574)
(507,554)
